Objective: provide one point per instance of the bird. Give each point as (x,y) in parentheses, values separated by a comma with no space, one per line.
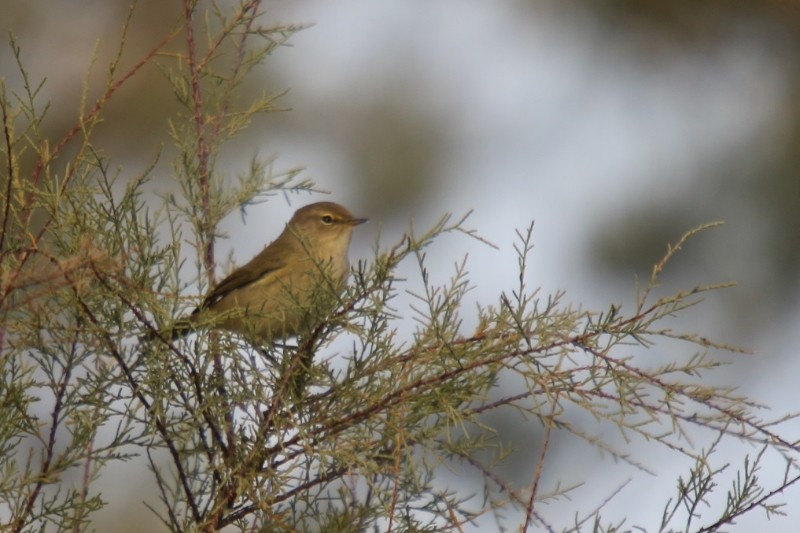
(289,287)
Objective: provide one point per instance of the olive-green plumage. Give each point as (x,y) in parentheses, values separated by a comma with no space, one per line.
(287,288)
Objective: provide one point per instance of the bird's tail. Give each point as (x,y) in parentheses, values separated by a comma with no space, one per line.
(180,329)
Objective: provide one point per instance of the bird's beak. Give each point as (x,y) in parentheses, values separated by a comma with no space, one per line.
(357,221)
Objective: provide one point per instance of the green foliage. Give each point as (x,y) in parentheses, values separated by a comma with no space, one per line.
(234,438)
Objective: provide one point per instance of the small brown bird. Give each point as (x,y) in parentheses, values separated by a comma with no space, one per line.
(287,288)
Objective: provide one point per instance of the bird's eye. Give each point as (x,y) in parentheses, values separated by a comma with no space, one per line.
(327,219)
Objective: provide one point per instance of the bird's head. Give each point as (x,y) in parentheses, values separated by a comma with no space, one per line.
(326,226)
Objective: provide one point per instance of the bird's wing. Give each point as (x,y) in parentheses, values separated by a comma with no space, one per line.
(253,271)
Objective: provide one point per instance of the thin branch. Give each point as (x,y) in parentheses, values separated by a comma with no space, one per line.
(44,470)
(539,466)
(161,426)
(744,510)
(11,178)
